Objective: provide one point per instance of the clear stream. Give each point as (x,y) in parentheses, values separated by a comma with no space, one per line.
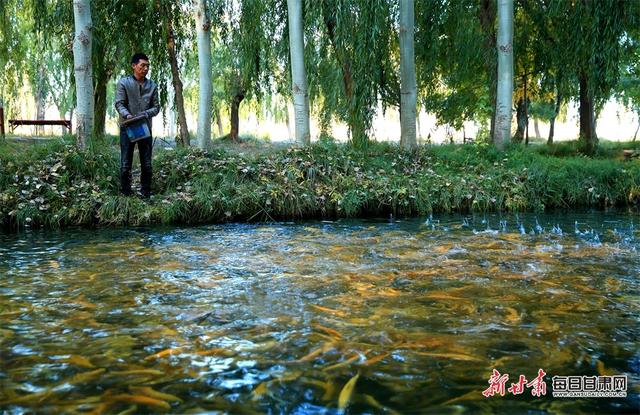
(388,316)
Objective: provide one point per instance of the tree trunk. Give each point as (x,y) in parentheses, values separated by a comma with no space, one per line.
(219,122)
(288,122)
(552,121)
(526,113)
(2,133)
(235,119)
(521,119)
(588,135)
(100,104)
(487,17)
(299,73)
(83,71)
(177,84)
(536,128)
(634,135)
(552,125)
(418,129)
(354,114)
(172,123)
(203,27)
(505,74)
(408,87)
(40,98)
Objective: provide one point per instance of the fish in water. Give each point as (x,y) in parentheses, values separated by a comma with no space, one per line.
(346,393)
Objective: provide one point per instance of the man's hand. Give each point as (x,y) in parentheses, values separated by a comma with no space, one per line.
(129,116)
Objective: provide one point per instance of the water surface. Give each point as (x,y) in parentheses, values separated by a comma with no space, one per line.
(412,316)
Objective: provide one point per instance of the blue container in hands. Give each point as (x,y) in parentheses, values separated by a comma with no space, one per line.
(137,128)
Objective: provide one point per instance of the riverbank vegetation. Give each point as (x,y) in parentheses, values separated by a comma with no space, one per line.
(55,185)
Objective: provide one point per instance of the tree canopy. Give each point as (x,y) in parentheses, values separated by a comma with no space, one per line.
(581,50)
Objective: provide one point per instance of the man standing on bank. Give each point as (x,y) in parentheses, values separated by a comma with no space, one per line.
(136,95)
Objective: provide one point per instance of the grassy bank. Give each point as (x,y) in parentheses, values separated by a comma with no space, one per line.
(54,186)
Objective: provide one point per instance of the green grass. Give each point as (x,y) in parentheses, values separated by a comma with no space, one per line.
(52,185)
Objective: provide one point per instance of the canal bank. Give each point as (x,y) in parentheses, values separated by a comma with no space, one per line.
(55,186)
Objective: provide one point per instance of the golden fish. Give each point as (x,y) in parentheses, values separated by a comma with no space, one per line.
(32,399)
(375,359)
(156,404)
(216,352)
(454,356)
(328,330)
(343,363)
(373,402)
(260,390)
(85,376)
(152,393)
(84,303)
(133,409)
(339,313)
(512,315)
(346,393)
(164,353)
(99,409)
(137,372)
(443,296)
(328,387)
(5,334)
(317,352)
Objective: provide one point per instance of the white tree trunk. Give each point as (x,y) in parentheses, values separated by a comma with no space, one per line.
(408,88)
(298,73)
(505,74)
(203,29)
(2,132)
(287,121)
(83,71)
(40,97)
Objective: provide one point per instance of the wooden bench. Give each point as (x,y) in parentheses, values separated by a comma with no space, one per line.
(64,123)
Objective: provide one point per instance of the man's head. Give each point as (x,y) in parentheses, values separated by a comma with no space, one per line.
(140,65)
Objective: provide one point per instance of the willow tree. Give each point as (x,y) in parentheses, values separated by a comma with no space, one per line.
(628,90)
(534,74)
(354,61)
(253,34)
(166,39)
(452,61)
(203,29)
(487,17)
(83,71)
(15,27)
(112,49)
(408,88)
(298,73)
(590,53)
(504,96)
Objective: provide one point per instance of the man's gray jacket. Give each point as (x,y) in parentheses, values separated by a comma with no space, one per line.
(134,98)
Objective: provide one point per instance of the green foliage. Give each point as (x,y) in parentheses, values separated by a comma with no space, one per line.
(351,54)
(452,59)
(353,60)
(55,186)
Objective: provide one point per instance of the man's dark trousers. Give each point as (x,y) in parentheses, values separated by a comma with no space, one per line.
(126,160)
